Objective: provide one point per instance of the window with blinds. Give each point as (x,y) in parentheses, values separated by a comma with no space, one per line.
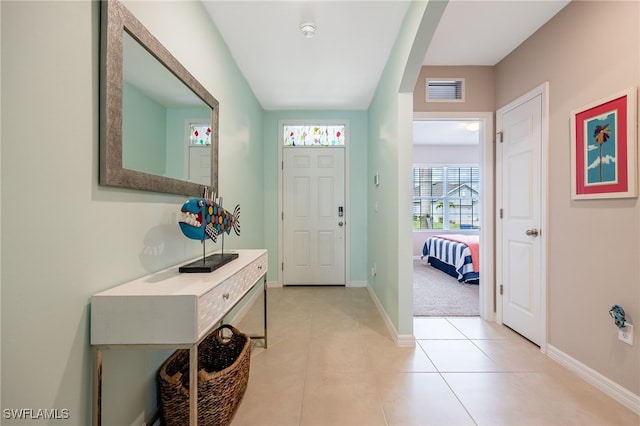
(445,90)
(446,197)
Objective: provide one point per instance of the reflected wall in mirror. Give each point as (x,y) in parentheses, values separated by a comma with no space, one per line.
(159,125)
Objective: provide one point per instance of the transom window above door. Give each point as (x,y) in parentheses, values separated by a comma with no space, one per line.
(200,134)
(314,135)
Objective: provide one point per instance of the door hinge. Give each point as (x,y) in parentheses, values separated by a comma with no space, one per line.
(501,137)
(282,216)
(282,165)
(501,213)
(282,266)
(501,289)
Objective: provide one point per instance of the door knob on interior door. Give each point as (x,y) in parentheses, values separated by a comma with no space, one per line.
(340,223)
(532,232)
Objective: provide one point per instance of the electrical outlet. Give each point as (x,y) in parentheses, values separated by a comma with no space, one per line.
(626,334)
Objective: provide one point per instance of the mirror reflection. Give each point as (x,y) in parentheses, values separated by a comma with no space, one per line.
(166,128)
(158,124)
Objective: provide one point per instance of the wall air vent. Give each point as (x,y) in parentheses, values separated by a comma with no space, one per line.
(445,90)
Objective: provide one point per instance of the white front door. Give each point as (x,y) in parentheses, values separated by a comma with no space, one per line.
(200,164)
(313,216)
(519,157)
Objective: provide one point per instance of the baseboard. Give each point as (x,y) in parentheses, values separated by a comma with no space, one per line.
(407,340)
(273,284)
(276,284)
(609,387)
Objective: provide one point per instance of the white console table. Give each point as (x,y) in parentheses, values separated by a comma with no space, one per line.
(171,310)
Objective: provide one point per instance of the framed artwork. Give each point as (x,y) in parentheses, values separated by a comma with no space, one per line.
(604,148)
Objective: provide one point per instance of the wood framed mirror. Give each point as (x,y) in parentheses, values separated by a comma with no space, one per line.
(153,113)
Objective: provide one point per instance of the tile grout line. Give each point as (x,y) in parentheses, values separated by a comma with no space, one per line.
(446,382)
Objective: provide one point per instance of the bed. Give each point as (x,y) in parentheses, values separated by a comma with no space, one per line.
(455,254)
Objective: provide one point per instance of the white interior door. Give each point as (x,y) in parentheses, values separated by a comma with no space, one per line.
(313,216)
(200,164)
(520,141)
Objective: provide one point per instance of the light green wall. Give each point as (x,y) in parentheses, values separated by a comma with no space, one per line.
(357,180)
(144,134)
(1,174)
(64,237)
(389,154)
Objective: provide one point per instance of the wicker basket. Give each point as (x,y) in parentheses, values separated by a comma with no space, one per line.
(223,373)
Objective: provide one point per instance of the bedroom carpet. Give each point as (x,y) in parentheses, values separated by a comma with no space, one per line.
(438,294)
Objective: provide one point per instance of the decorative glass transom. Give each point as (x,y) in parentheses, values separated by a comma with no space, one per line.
(200,134)
(314,135)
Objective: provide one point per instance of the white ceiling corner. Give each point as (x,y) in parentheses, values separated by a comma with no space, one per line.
(339,68)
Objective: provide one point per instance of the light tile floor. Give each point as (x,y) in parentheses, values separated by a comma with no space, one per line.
(331,361)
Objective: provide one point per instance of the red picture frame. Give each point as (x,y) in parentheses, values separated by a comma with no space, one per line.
(604,148)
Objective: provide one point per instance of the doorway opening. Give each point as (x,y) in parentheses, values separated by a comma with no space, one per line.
(453,215)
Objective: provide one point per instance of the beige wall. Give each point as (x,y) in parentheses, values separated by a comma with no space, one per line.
(586,52)
(594,246)
(479,89)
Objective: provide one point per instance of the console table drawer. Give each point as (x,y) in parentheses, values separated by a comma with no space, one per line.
(255,271)
(213,305)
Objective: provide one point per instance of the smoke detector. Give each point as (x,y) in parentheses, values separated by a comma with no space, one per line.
(308,29)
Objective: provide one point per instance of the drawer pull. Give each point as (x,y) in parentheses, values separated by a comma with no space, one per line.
(225,296)
(260,267)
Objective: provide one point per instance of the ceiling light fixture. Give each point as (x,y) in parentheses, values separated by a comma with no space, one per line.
(308,29)
(472,126)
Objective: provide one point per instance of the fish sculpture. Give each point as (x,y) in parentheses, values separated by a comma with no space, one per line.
(201,218)
(618,315)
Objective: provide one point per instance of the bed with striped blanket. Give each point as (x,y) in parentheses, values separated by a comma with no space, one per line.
(457,255)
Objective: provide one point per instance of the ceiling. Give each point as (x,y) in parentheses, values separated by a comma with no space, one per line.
(339,68)
(447,132)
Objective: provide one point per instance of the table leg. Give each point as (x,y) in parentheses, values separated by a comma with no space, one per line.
(265,310)
(97,387)
(193,385)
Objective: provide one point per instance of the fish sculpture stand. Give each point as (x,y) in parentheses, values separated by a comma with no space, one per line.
(202,219)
